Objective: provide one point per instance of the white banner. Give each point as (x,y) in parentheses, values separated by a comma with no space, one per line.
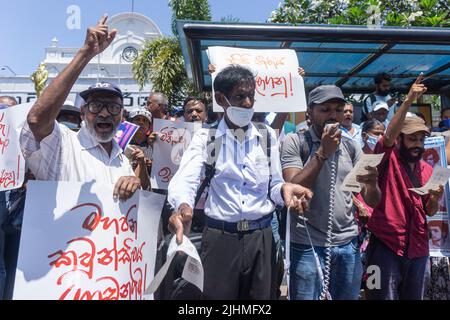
(173,139)
(12,162)
(77,243)
(279,87)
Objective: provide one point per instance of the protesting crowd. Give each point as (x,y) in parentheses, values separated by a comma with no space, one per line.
(258,198)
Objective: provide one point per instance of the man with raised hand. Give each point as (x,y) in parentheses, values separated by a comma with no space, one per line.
(56,153)
(398,246)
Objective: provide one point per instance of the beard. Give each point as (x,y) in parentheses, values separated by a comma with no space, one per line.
(383,93)
(406,153)
(102,137)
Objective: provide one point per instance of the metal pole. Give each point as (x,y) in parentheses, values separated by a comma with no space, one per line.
(120,64)
(98,68)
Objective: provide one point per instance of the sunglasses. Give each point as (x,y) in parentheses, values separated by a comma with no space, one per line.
(96,107)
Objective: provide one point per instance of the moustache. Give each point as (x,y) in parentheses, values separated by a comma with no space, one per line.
(418,149)
(108,120)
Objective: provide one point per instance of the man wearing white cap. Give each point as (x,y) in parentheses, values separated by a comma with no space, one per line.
(380,112)
(143,119)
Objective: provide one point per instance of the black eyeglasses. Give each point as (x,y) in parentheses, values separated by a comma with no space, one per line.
(97,106)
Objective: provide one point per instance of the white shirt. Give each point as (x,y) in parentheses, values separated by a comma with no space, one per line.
(356,135)
(239,189)
(65,155)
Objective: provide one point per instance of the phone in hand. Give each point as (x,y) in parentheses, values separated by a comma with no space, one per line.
(128,151)
(332,128)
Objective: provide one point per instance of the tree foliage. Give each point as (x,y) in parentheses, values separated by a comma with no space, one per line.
(189,10)
(161,62)
(424,13)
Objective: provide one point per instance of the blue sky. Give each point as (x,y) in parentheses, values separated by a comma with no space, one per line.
(27,26)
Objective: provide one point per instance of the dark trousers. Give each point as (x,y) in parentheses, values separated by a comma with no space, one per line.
(401,278)
(12,242)
(237,265)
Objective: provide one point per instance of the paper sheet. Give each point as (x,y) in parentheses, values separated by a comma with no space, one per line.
(193,268)
(440,177)
(350,184)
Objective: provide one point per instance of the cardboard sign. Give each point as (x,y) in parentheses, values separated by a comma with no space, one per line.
(77,243)
(173,139)
(12,162)
(279,87)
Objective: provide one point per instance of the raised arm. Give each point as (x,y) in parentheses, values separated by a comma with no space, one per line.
(42,115)
(394,127)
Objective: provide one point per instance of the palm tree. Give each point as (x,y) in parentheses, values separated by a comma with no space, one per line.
(161,61)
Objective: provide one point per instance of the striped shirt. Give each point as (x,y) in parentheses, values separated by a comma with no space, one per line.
(65,155)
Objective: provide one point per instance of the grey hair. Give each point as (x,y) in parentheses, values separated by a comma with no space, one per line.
(160,96)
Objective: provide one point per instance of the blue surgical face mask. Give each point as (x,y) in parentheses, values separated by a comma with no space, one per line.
(70,125)
(372,141)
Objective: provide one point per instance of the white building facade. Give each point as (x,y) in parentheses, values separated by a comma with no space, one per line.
(113,65)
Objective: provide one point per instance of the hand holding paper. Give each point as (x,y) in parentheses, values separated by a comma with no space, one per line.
(193,268)
(435,195)
(360,173)
(439,178)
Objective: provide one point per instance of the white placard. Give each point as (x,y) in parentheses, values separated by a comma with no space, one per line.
(173,139)
(77,243)
(193,268)
(279,87)
(12,162)
(366,160)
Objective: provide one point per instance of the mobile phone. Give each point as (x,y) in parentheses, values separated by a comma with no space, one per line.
(332,128)
(128,151)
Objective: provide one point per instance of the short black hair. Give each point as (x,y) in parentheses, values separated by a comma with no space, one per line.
(380,77)
(193,98)
(443,110)
(370,124)
(231,76)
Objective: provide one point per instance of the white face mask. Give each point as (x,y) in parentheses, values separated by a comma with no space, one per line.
(241,117)
(372,141)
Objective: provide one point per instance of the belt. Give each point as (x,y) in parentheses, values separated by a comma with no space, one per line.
(240,226)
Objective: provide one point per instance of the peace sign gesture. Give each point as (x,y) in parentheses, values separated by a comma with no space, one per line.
(98,38)
(417,89)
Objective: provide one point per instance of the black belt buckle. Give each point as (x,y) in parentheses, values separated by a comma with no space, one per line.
(243,225)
